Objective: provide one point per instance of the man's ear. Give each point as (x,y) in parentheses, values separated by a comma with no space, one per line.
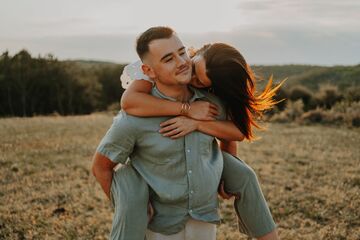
(148,71)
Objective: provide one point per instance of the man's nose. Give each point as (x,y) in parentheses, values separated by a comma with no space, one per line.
(180,60)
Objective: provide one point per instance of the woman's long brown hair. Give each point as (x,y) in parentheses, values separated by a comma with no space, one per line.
(233,81)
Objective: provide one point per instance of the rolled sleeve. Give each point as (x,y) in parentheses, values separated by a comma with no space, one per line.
(119,141)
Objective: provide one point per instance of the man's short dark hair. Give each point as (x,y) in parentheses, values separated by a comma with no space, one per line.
(154,33)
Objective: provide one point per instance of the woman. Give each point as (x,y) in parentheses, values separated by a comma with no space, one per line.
(221,69)
(218,68)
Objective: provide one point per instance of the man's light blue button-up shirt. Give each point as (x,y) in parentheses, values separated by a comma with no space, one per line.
(183,174)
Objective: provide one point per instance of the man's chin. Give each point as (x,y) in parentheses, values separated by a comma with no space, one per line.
(184,80)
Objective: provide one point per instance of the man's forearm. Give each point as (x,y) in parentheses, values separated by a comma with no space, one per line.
(103,171)
(105,179)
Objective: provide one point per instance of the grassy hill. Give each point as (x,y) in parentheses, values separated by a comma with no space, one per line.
(310,176)
(91,64)
(312,76)
(307,75)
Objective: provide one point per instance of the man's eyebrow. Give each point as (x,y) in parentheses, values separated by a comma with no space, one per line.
(169,54)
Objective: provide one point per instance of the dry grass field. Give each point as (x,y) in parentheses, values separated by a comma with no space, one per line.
(310,176)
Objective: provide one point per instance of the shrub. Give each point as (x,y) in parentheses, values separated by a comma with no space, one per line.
(320,115)
(313,116)
(355,122)
(303,93)
(281,95)
(293,110)
(114,108)
(328,95)
(352,94)
(349,110)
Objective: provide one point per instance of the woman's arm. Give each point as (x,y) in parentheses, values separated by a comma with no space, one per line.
(137,101)
(180,126)
(223,130)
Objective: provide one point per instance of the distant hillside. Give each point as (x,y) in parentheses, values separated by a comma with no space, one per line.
(311,76)
(91,64)
(307,75)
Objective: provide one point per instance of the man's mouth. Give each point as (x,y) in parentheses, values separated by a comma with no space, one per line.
(183,70)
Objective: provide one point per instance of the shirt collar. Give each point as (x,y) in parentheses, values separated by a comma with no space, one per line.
(197,94)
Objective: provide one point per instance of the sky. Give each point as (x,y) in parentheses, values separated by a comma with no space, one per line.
(319,32)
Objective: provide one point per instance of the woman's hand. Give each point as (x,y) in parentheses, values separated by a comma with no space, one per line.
(201,110)
(178,127)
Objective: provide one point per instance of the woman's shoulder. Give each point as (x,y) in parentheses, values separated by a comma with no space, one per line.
(212,97)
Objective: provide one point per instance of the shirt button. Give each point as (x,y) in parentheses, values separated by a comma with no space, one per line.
(190,211)
(188,150)
(191,192)
(190,171)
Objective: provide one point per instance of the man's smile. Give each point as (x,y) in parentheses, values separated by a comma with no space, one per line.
(183,70)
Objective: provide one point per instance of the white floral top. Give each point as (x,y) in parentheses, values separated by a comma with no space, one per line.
(133,72)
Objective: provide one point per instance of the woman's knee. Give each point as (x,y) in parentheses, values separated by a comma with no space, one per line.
(237,174)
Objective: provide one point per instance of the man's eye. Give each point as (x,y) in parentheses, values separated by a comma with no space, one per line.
(182,53)
(168,60)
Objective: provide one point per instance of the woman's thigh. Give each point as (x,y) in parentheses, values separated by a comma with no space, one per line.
(236,174)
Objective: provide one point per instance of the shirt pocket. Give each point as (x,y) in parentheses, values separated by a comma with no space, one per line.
(206,142)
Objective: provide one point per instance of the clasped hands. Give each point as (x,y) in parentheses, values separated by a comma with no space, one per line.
(182,125)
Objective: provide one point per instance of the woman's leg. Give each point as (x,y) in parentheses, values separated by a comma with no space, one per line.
(253,213)
(130,197)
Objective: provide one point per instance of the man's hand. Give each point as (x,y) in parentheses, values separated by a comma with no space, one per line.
(201,110)
(178,127)
(222,192)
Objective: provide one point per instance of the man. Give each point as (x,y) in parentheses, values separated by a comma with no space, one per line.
(183,175)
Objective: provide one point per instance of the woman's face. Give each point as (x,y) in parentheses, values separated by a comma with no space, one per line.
(199,79)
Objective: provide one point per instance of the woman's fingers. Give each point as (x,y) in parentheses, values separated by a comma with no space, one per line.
(167,129)
(168,122)
(214,112)
(168,126)
(171,133)
(213,106)
(181,134)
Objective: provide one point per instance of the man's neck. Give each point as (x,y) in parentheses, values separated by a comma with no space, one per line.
(179,92)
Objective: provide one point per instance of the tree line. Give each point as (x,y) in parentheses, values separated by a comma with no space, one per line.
(44,85)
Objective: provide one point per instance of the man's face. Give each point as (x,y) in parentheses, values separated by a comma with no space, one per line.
(169,61)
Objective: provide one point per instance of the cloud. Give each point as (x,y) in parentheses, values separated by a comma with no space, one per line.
(266,31)
(270,46)
(329,13)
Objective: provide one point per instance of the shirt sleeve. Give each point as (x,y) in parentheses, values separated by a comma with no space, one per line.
(119,141)
(221,106)
(133,72)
